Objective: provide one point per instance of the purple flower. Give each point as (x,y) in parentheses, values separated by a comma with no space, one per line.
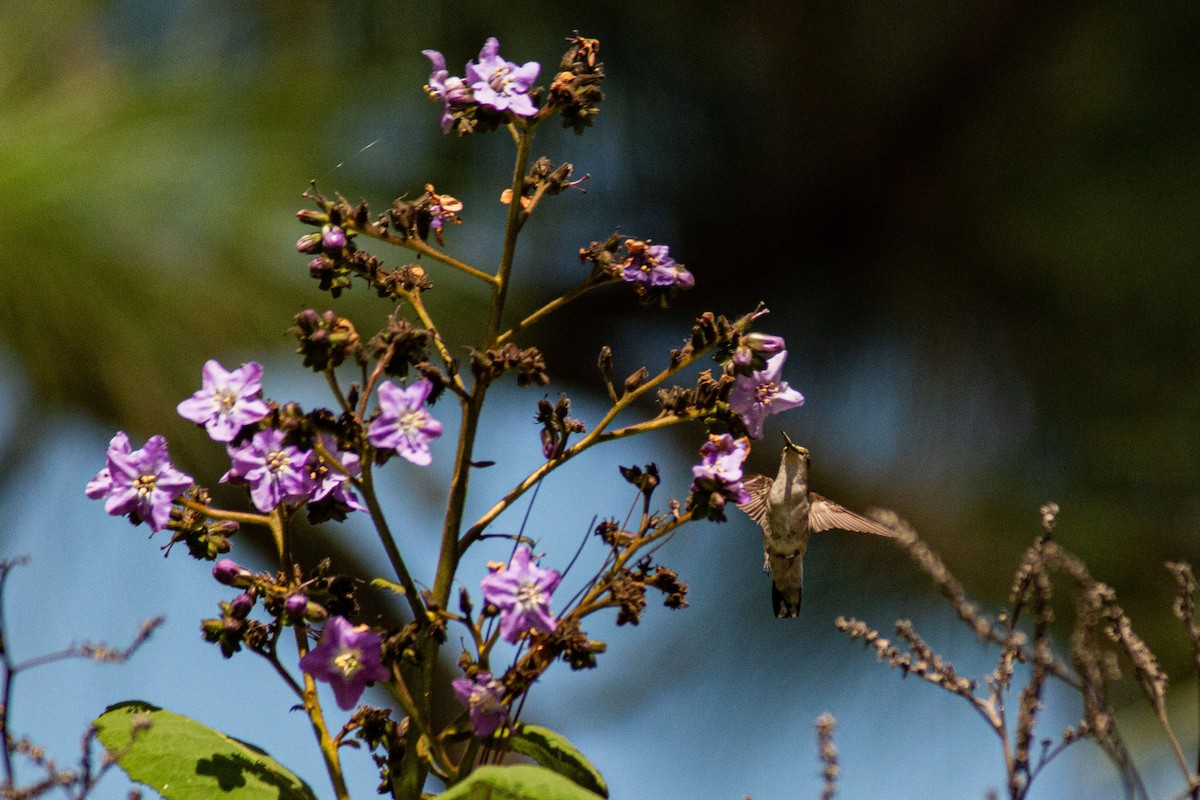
(227,401)
(720,468)
(762,393)
(483,697)
(522,593)
(346,658)
(442,86)
(333,483)
(139,483)
(651,266)
(501,85)
(333,238)
(403,424)
(276,472)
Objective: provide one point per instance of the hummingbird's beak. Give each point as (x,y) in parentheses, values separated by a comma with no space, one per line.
(790,445)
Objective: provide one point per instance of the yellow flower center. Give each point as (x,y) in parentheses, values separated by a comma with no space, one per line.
(348,662)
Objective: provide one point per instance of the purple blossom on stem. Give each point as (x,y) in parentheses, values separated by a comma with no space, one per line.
(227,400)
(483,697)
(142,484)
(762,393)
(651,266)
(331,482)
(276,472)
(404,425)
(720,469)
(501,85)
(346,658)
(452,91)
(522,593)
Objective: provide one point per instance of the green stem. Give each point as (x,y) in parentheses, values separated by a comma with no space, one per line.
(367,486)
(448,559)
(419,246)
(233,516)
(589,283)
(331,378)
(596,436)
(329,750)
(457,385)
(512,227)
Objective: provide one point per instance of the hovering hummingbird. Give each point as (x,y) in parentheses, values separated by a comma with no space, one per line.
(788,513)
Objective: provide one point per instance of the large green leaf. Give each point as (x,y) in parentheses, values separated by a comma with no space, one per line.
(553,751)
(182,759)
(519,782)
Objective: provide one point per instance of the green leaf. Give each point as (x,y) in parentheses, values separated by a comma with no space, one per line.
(553,751)
(519,782)
(182,759)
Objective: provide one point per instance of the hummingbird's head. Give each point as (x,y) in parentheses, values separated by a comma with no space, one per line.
(791,447)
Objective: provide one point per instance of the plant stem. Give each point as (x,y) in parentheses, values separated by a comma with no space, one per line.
(591,282)
(596,437)
(233,516)
(329,750)
(418,246)
(367,485)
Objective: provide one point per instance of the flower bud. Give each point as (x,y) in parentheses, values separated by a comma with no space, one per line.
(764,343)
(295,606)
(310,217)
(309,243)
(229,573)
(240,606)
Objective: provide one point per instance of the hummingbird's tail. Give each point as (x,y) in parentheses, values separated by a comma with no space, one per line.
(785,608)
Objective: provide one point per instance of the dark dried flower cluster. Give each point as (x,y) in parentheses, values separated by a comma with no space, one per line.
(557,425)
(575,90)
(325,339)
(527,363)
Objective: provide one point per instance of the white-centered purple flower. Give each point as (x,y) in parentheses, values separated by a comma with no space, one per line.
(227,400)
(522,593)
(347,658)
(483,698)
(404,425)
(452,91)
(331,482)
(142,484)
(275,472)
(501,85)
(763,393)
(651,266)
(720,468)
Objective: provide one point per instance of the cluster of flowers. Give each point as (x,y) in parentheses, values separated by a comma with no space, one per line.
(143,484)
(758,392)
(490,83)
(349,657)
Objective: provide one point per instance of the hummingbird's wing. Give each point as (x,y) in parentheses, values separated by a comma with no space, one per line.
(825,515)
(756,506)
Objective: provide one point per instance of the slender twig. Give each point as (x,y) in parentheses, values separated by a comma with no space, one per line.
(366,485)
(596,437)
(326,743)
(589,283)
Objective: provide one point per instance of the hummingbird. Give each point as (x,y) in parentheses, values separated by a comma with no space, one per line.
(788,512)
